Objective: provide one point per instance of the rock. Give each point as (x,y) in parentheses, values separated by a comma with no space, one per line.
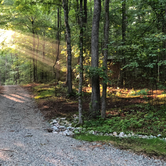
(159,135)
(144,136)
(55,128)
(121,134)
(69,133)
(62,127)
(54,121)
(91,132)
(106,134)
(50,130)
(140,136)
(65,132)
(70,128)
(132,134)
(62,119)
(78,128)
(115,134)
(151,136)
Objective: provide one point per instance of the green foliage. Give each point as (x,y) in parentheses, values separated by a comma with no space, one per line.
(100,71)
(146,122)
(140,92)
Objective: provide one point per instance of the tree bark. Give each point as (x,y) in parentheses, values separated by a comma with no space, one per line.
(95,97)
(81,65)
(124,18)
(58,36)
(106,35)
(69,58)
(33,49)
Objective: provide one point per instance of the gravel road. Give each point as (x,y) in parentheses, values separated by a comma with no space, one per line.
(25,142)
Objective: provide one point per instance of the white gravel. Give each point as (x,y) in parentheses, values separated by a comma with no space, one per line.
(24,142)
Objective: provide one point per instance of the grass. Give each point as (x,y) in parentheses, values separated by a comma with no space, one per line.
(152,147)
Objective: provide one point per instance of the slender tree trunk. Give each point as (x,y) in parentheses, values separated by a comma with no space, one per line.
(69,58)
(164,42)
(106,34)
(34,68)
(56,69)
(58,45)
(124,18)
(0,78)
(81,65)
(95,97)
(34,56)
(37,51)
(44,45)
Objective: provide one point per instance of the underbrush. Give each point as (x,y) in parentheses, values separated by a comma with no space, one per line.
(143,119)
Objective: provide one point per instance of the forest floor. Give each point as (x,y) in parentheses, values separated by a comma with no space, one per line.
(53,100)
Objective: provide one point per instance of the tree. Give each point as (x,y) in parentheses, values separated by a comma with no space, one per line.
(106,36)
(95,97)
(69,58)
(80,65)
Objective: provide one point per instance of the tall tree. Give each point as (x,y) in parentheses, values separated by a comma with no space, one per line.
(106,36)
(69,58)
(81,64)
(124,18)
(95,97)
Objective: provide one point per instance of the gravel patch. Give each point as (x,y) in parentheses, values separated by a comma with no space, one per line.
(25,142)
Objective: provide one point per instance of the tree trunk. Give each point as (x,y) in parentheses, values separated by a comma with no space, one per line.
(33,49)
(58,44)
(56,67)
(81,66)
(106,35)
(95,97)
(164,42)
(69,58)
(0,78)
(43,45)
(124,18)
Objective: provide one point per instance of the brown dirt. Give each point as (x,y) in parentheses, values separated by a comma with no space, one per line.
(61,107)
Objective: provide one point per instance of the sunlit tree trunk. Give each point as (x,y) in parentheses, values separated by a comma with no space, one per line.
(69,58)
(106,34)
(58,44)
(56,66)
(95,97)
(33,50)
(37,51)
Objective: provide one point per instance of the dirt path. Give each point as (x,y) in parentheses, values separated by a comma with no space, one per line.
(25,142)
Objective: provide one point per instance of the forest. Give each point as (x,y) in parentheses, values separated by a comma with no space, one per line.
(105,58)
